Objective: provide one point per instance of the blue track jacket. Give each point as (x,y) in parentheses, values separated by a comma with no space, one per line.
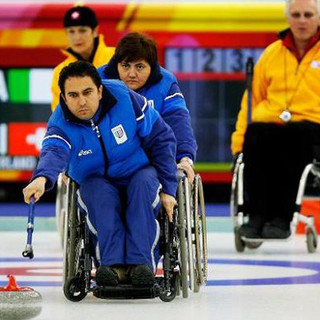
(163,93)
(124,135)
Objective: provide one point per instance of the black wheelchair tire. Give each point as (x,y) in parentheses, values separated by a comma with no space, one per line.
(74,289)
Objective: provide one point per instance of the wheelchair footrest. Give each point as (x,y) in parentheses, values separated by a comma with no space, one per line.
(254,240)
(126,292)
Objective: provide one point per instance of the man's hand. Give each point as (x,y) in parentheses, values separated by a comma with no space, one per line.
(187,168)
(36,188)
(64,178)
(168,203)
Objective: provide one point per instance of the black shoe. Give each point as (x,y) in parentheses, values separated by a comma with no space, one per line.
(249,231)
(122,272)
(105,276)
(142,276)
(271,231)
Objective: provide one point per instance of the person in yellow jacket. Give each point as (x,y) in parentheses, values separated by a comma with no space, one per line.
(285,126)
(81,27)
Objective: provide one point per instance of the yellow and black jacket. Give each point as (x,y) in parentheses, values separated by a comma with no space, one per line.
(280,81)
(101,56)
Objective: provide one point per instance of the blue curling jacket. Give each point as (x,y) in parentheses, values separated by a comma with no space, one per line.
(124,135)
(163,93)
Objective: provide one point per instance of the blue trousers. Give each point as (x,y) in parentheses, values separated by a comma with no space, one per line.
(122,218)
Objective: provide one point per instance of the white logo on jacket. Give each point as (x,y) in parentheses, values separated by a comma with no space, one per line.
(119,134)
(84,152)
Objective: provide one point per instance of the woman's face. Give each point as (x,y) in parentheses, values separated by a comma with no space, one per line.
(135,73)
(81,39)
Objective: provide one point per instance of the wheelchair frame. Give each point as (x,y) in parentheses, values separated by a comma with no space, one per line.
(183,245)
(238,215)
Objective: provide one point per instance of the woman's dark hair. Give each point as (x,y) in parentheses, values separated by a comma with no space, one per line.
(79,69)
(135,46)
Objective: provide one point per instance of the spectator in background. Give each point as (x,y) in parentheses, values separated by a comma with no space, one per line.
(135,62)
(81,27)
(285,129)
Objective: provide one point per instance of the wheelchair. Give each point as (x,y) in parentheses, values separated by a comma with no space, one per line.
(183,245)
(239,216)
(61,207)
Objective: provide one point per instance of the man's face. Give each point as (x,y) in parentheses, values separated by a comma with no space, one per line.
(135,73)
(81,39)
(303,19)
(82,96)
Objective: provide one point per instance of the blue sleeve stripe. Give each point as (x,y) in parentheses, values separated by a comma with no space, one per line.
(139,104)
(140,118)
(173,95)
(55,136)
(143,109)
(145,104)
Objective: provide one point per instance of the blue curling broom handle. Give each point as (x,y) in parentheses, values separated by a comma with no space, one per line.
(30,221)
(249,77)
(28,252)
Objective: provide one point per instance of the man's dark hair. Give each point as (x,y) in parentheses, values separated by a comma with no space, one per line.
(135,46)
(80,16)
(79,69)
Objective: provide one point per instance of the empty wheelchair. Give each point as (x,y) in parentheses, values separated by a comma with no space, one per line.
(183,245)
(239,216)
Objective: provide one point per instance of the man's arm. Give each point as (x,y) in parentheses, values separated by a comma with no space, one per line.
(54,159)
(176,114)
(160,144)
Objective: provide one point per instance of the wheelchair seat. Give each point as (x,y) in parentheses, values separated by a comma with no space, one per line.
(183,245)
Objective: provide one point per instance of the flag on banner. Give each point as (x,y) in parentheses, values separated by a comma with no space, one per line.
(26,138)
(3,139)
(29,85)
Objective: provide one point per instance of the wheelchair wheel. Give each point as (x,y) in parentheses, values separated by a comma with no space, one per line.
(72,243)
(61,207)
(182,229)
(311,240)
(74,289)
(169,296)
(239,243)
(190,233)
(234,196)
(254,245)
(200,233)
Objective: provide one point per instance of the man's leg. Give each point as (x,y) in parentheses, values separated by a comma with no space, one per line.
(262,141)
(101,201)
(143,229)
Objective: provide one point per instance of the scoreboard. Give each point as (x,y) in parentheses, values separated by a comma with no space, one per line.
(209,60)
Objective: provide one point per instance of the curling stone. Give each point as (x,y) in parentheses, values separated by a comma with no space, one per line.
(18,303)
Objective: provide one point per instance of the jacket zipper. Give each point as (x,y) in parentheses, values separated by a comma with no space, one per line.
(95,128)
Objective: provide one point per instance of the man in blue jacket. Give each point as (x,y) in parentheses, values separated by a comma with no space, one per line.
(135,62)
(122,155)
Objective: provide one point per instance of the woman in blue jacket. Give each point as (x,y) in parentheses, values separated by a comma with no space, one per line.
(135,62)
